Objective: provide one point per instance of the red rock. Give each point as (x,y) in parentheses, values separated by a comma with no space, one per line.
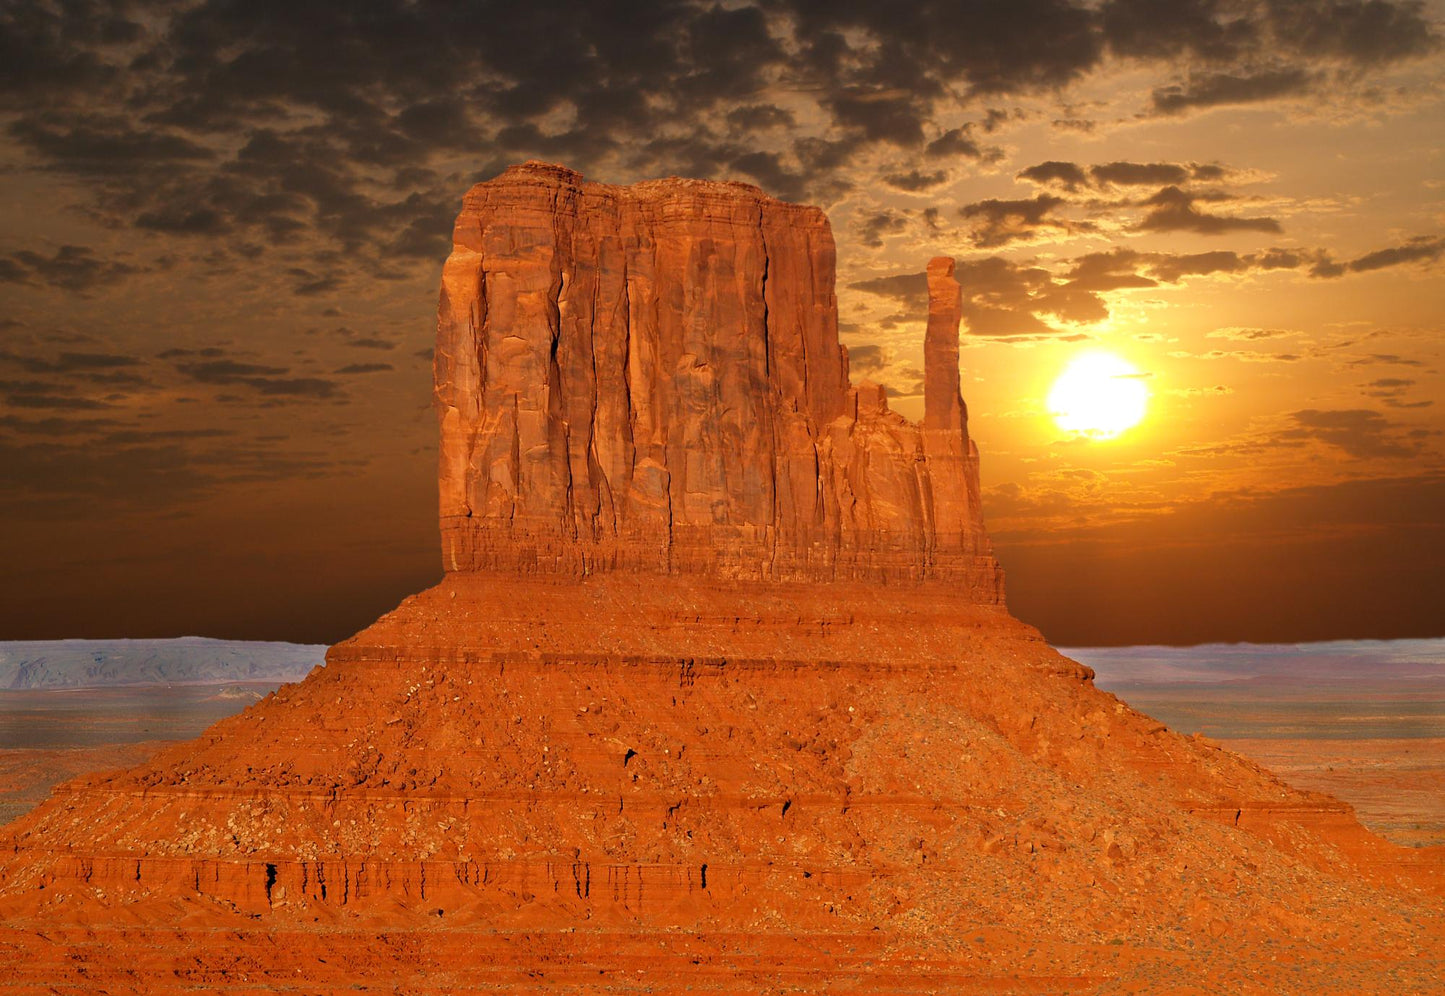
(649,378)
(718,694)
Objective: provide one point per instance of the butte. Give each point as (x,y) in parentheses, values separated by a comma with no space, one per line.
(718,694)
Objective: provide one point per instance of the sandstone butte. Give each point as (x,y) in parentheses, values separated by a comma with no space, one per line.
(718,694)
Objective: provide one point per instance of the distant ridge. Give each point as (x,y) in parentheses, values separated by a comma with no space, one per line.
(186,659)
(1215,663)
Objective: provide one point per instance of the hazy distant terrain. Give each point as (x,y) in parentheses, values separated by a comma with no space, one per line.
(1336,665)
(187,660)
(1363,720)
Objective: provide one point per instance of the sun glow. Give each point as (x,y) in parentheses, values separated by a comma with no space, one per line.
(1098,395)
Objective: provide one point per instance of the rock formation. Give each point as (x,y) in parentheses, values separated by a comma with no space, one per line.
(649,378)
(718,694)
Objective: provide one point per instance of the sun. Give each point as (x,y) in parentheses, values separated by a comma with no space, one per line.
(1098,395)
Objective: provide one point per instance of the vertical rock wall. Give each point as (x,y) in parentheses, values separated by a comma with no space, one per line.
(649,378)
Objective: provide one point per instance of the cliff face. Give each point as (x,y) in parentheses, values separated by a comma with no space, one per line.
(649,378)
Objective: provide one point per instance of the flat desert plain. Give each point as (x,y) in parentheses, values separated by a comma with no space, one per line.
(1362,720)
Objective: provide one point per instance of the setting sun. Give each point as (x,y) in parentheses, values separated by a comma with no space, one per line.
(1098,395)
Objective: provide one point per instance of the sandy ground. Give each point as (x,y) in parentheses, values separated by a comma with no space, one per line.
(1396,786)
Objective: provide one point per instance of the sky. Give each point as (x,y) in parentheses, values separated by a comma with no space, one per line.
(222,225)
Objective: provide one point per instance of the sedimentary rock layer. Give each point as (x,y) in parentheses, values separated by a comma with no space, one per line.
(649,377)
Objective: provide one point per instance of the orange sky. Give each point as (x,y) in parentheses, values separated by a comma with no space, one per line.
(221,229)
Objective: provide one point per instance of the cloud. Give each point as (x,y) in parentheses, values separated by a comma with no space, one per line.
(101,146)
(1070,176)
(1074,177)
(1424,249)
(1145,29)
(955,142)
(1362,32)
(1391,359)
(1238,333)
(1173,210)
(999,222)
(1005,298)
(1208,89)
(68,362)
(73,268)
(1000,297)
(878,224)
(1421,249)
(866,359)
(1360,432)
(915,181)
(364,368)
(270,381)
(1393,392)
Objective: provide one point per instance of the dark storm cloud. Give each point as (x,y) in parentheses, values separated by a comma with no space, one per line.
(364,368)
(1173,210)
(72,268)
